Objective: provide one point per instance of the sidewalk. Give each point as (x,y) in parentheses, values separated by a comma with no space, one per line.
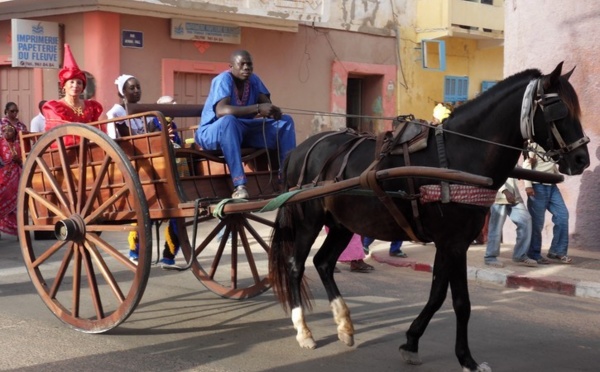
(581,278)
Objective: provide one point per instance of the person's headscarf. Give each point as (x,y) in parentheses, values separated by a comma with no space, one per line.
(121,80)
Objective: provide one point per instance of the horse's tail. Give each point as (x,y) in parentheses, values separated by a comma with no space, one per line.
(281,257)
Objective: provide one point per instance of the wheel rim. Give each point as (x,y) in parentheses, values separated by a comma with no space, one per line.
(237,270)
(88,195)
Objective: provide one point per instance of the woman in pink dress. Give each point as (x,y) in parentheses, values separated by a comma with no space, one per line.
(11,116)
(70,108)
(10,173)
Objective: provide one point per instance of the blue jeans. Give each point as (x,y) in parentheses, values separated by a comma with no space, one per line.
(548,197)
(395,246)
(230,134)
(519,216)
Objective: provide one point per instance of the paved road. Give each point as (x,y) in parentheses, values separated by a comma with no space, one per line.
(179,326)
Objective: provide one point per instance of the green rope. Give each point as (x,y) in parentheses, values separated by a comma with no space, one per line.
(218,212)
(279,201)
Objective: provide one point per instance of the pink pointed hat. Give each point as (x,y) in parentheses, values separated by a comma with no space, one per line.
(70,69)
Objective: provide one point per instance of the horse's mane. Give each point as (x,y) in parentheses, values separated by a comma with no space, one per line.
(481,103)
(477,106)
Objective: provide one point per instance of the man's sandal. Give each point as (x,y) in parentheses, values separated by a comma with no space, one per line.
(563,259)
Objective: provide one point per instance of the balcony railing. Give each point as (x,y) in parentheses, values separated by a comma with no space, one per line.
(474,19)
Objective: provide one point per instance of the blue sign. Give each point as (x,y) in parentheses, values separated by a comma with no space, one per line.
(132,39)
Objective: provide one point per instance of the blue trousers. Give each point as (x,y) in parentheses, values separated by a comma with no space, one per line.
(520,216)
(229,134)
(394,246)
(548,197)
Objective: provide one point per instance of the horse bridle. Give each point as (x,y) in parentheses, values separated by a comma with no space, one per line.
(554,109)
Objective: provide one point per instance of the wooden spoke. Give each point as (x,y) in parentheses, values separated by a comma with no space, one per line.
(91,197)
(245,275)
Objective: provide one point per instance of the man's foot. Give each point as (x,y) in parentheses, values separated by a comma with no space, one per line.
(543,261)
(528,262)
(240,192)
(398,254)
(360,266)
(563,259)
(167,261)
(133,256)
(494,263)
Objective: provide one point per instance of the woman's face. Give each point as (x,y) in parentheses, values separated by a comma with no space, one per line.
(9,132)
(132,91)
(73,87)
(12,112)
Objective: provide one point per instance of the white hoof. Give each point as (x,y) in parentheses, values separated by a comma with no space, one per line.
(307,343)
(346,338)
(483,367)
(411,357)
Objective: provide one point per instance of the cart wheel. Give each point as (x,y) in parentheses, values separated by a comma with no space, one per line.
(90,198)
(236,267)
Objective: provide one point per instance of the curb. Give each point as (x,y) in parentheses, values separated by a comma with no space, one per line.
(508,279)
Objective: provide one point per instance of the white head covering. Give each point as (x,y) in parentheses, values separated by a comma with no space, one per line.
(121,80)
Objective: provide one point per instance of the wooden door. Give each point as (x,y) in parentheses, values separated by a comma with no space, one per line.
(191,88)
(16,85)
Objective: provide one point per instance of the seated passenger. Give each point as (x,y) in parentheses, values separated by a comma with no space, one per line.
(70,108)
(130,91)
(238,112)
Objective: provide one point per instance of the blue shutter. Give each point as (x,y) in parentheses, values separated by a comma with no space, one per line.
(456,88)
(487,84)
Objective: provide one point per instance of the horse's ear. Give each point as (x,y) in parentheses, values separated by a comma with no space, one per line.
(553,77)
(568,74)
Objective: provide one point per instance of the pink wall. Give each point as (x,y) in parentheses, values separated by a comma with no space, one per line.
(541,36)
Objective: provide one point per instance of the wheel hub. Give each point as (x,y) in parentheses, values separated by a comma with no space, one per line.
(72,229)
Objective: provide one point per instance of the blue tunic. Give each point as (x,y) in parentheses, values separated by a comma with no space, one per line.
(229,133)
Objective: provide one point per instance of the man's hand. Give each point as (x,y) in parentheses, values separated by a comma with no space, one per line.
(269,110)
(510,197)
(529,191)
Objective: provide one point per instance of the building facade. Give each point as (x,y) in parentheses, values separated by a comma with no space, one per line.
(540,36)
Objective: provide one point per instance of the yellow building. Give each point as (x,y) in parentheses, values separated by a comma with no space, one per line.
(450,51)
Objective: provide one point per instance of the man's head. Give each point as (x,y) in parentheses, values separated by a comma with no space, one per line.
(41,104)
(241,64)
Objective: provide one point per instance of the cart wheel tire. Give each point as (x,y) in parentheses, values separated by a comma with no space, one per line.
(234,266)
(90,197)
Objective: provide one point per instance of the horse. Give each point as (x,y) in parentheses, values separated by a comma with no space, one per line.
(484,136)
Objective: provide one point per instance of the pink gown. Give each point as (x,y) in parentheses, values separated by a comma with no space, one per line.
(10,174)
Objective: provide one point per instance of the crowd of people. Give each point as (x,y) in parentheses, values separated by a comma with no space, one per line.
(239,113)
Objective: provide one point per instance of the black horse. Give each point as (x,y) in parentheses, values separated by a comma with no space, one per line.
(482,137)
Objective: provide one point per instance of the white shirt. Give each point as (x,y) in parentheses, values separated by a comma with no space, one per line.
(137,125)
(38,123)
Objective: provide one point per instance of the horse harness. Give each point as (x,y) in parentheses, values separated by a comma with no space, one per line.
(408,136)
(554,109)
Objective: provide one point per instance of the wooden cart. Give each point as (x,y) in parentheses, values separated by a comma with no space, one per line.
(80,208)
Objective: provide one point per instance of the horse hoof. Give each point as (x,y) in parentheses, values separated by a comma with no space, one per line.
(308,343)
(410,357)
(346,339)
(483,367)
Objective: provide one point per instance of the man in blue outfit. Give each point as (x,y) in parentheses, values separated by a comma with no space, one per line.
(238,112)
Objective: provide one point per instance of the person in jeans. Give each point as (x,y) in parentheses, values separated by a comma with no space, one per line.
(542,197)
(509,203)
(395,247)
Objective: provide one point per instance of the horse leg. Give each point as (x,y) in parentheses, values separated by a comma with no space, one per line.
(462,308)
(437,295)
(325,259)
(306,235)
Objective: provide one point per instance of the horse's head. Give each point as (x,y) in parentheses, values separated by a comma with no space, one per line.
(556,126)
